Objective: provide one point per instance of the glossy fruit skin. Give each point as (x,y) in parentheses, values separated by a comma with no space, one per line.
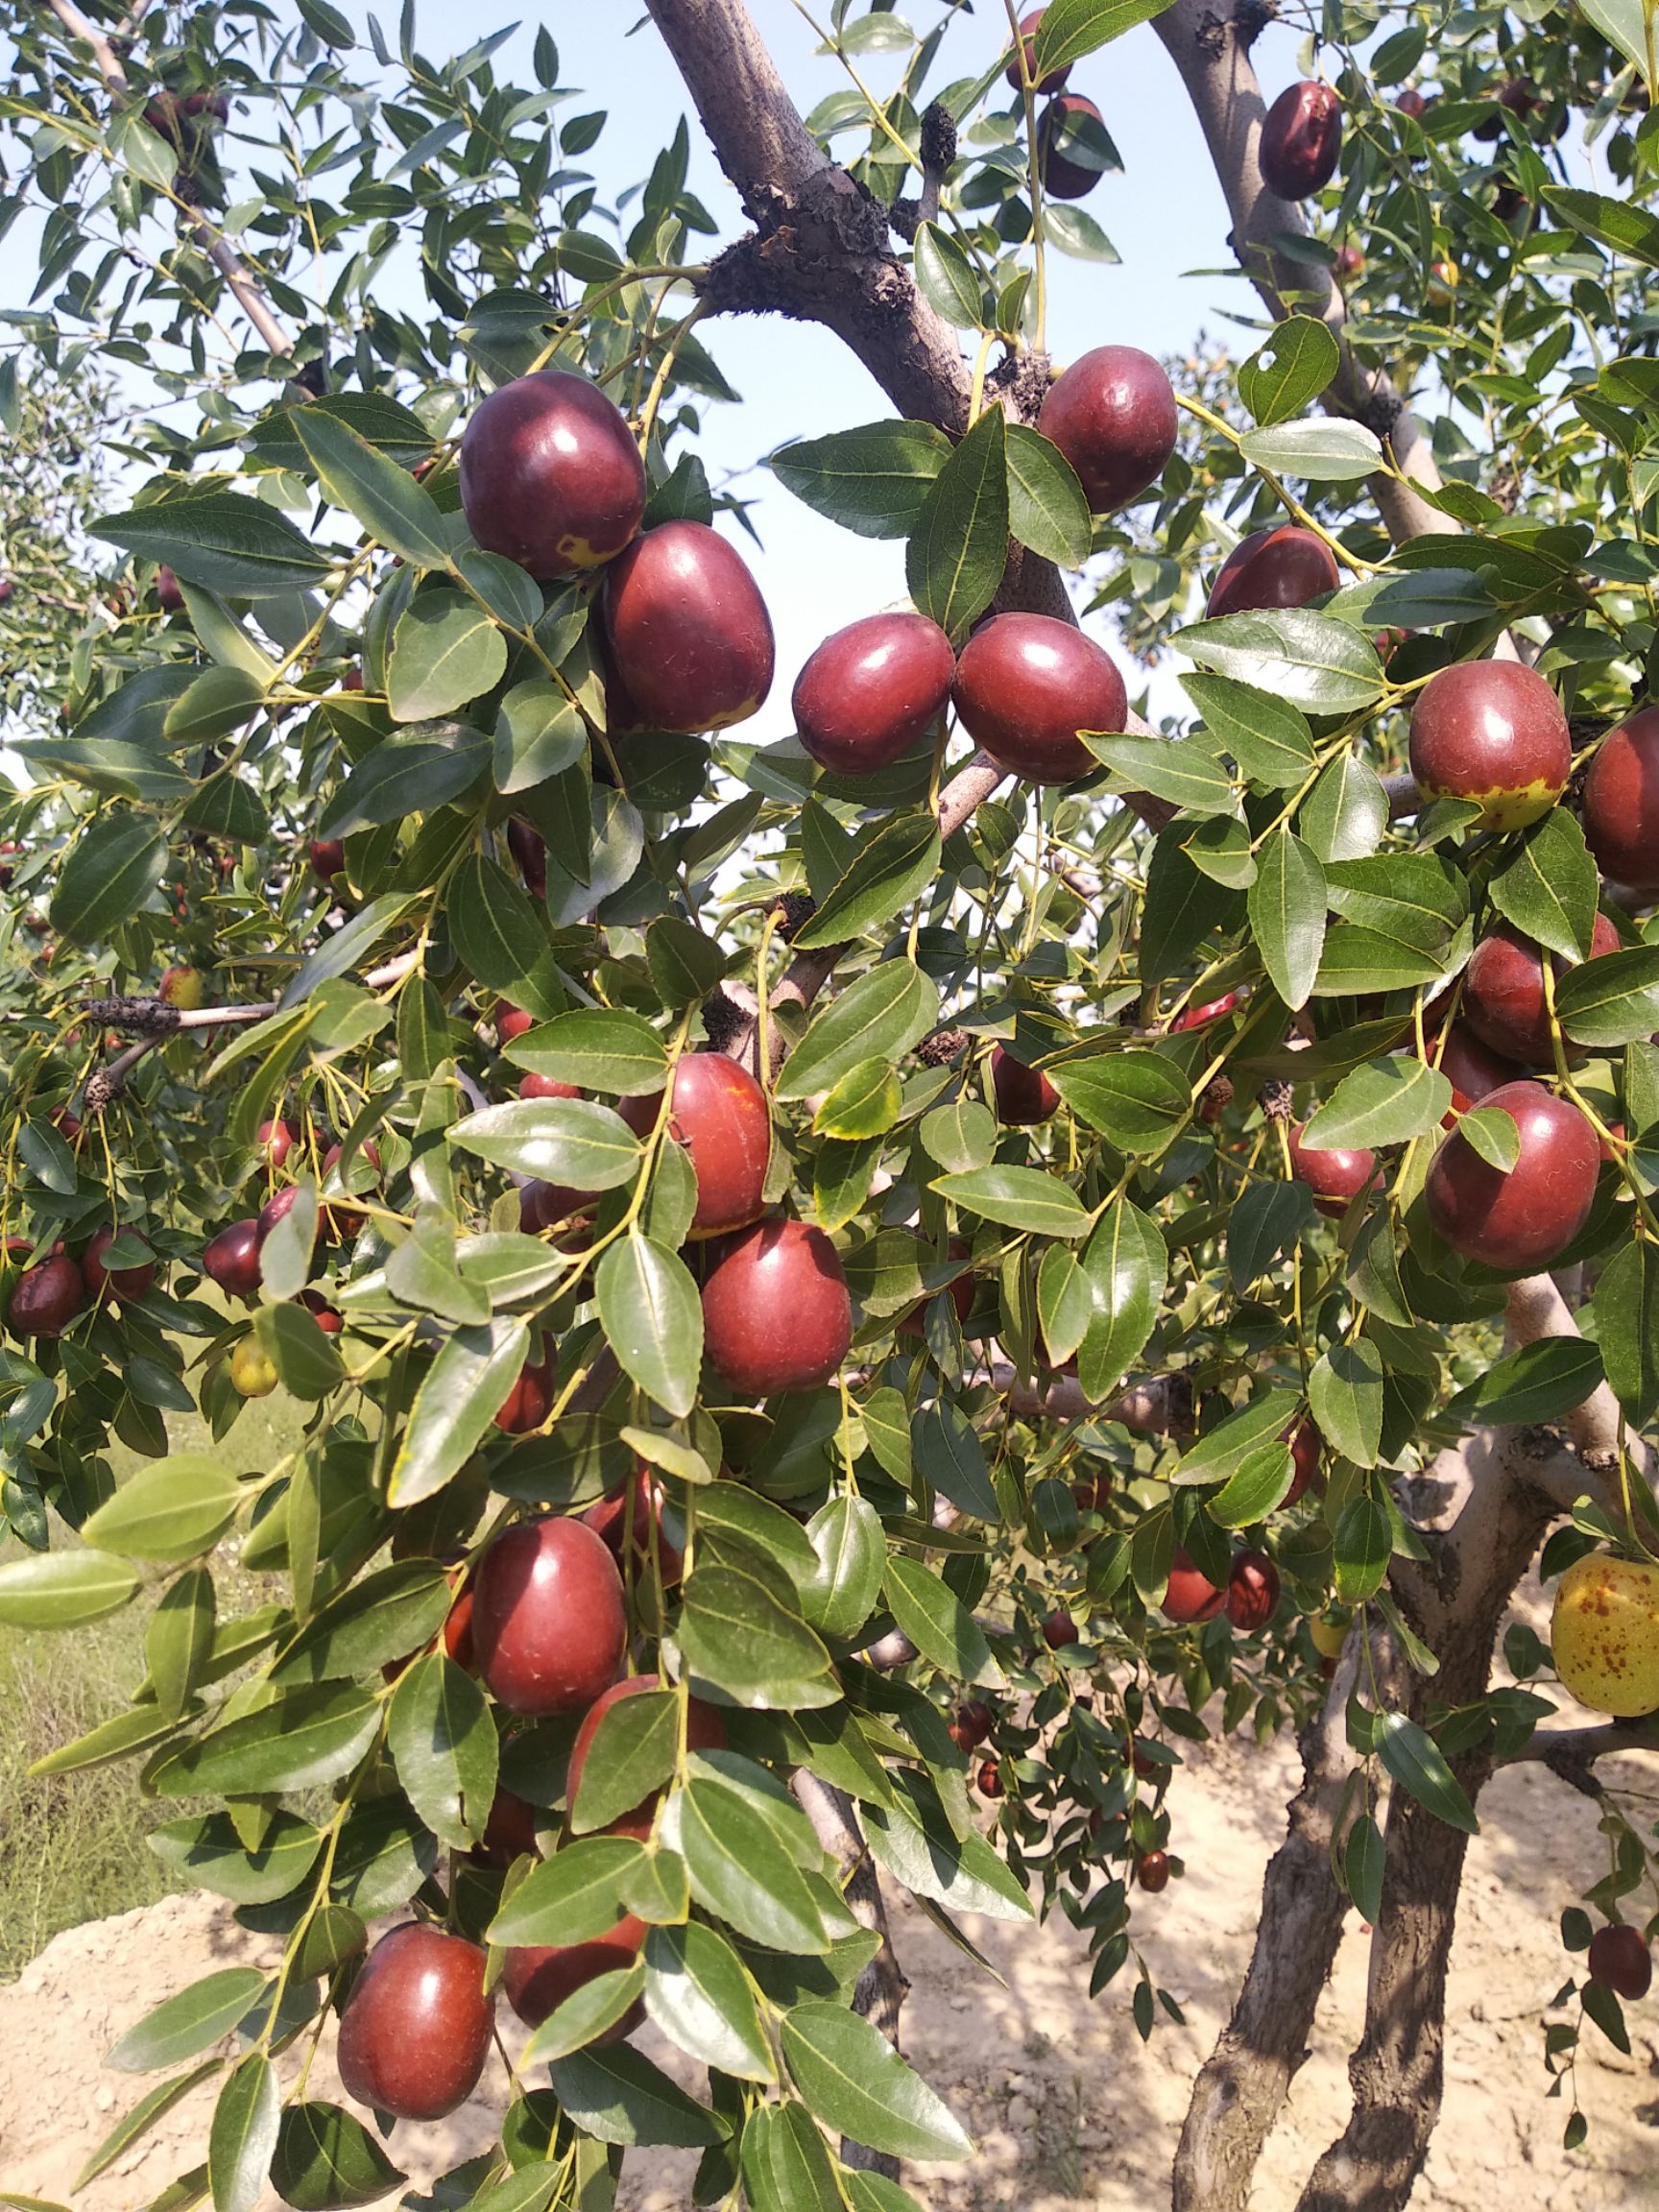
(512,1021)
(458,1631)
(180,987)
(231,1259)
(526,1405)
(1113,416)
(550,475)
(1283,565)
(975,1720)
(1152,1871)
(276,1207)
(549,1625)
(46,1298)
(1472,1069)
(328,1318)
(1305,1448)
(1604,1633)
(1335,1177)
(510,1831)
(1023,1096)
(542,1205)
(126,1284)
(775,1311)
(689,630)
(546,1086)
(704,1731)
(1493,732)
(719,1114)
(169,596)
(990,1779)
(1190,1595)
(1622,803)
(1055,79)
(529,849)
(1059,1629)
(327,859)
(416,2030)
(1411,103)
(622,1521)
(538,1978)
(1026,685)
(1252,1591)
(1520,1221)
(253,1374)
(1201,1017)
(1620,1961)
(1503,991)
(868,692)
(1301,139)
(275,1140)
(1064,178)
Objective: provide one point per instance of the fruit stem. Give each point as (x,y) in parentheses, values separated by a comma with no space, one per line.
(1292,506)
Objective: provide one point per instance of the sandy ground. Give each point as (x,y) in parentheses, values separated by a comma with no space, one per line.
(1070,2112)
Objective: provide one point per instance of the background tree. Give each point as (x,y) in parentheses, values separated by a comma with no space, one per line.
(897,1319)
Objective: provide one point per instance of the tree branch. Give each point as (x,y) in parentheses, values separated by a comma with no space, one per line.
(1572,1753)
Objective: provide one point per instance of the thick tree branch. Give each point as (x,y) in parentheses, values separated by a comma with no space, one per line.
(1572,1753)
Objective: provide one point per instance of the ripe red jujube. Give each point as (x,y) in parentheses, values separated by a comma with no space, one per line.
(539,1977)
(549,1625)
(1026,685)
(124,1283)
(868,692)
(416,2030)
(775,1311)
(46,1298)
(231,1259)
(1493,732)
(1306,1446)
(1520,1221)
(623,1521)
(1055,79)
(1023,1095)
(550,475)
(327,859)
(1280,567)
(1113,416)
(1622,803)
(1064,176)
(689,630)
(1471,1069)
(526,1405)
(719,1114)
(1152,1871)
(1301,139)
(1335,1176)
(1620,1961)
(1252,1591)
(547,1087)
(1503,991)
(1190,1595)
(1059,1629)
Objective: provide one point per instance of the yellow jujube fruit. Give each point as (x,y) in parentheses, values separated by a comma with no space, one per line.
(1329,1635)
(251,1373)
(1605,1634)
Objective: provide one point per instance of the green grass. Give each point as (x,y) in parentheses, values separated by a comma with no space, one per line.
(73,1846)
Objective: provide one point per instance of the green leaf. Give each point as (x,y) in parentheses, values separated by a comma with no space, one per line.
(618,2096)
(1127,1264)
(736,1632)
(1363,1540)
(111,870)
(1550,889)
(1289,369)
(1494,1136)
(1385,1102)
(865,1103)
(499,938)
(394,510)
(170,1510)
(441,1737)
(1539,1382)
(539,734)
(192,2021)
(879,1016)
(305,1359)
(847,1539)
(685,964)
(571,1897)
(1258,1484)
(1626,1307)
(208,1853)
(1344,815)
(653,1319)
(584,2016)
(456,1408)
(153,2105)
(414,771)
(244,2134)
(1628,230)
(1345,1397)
(597,1049)
(1294,653)
(928,1611)
(913,1840)
(873,480)
(959,1136)
(1070,28)
(1269,738)
(947,1455)
(1286,904)
(1019,1198)
(1224,1450)
(1621,23)
(1364,1861)
(1416,1762)
(959,546)
(219,700)
(1613,1001)
(698,1994)
(631,1757)
(741,1867)
(1323,449)
(236,546)
(855,2083)
(887,870)
(946,278)
(64,1589)
(1182,770)
(303,1739)
(1047,508)
(445,652)
(567,1141)
(327,2160)
(1073,230)
(1137,1100)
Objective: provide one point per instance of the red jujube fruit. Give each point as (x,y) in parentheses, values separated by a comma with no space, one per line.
(687,629)
(416,2030)
(775,1311)
(551,474)
(870,691)
(549,1625)
(1026,685)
